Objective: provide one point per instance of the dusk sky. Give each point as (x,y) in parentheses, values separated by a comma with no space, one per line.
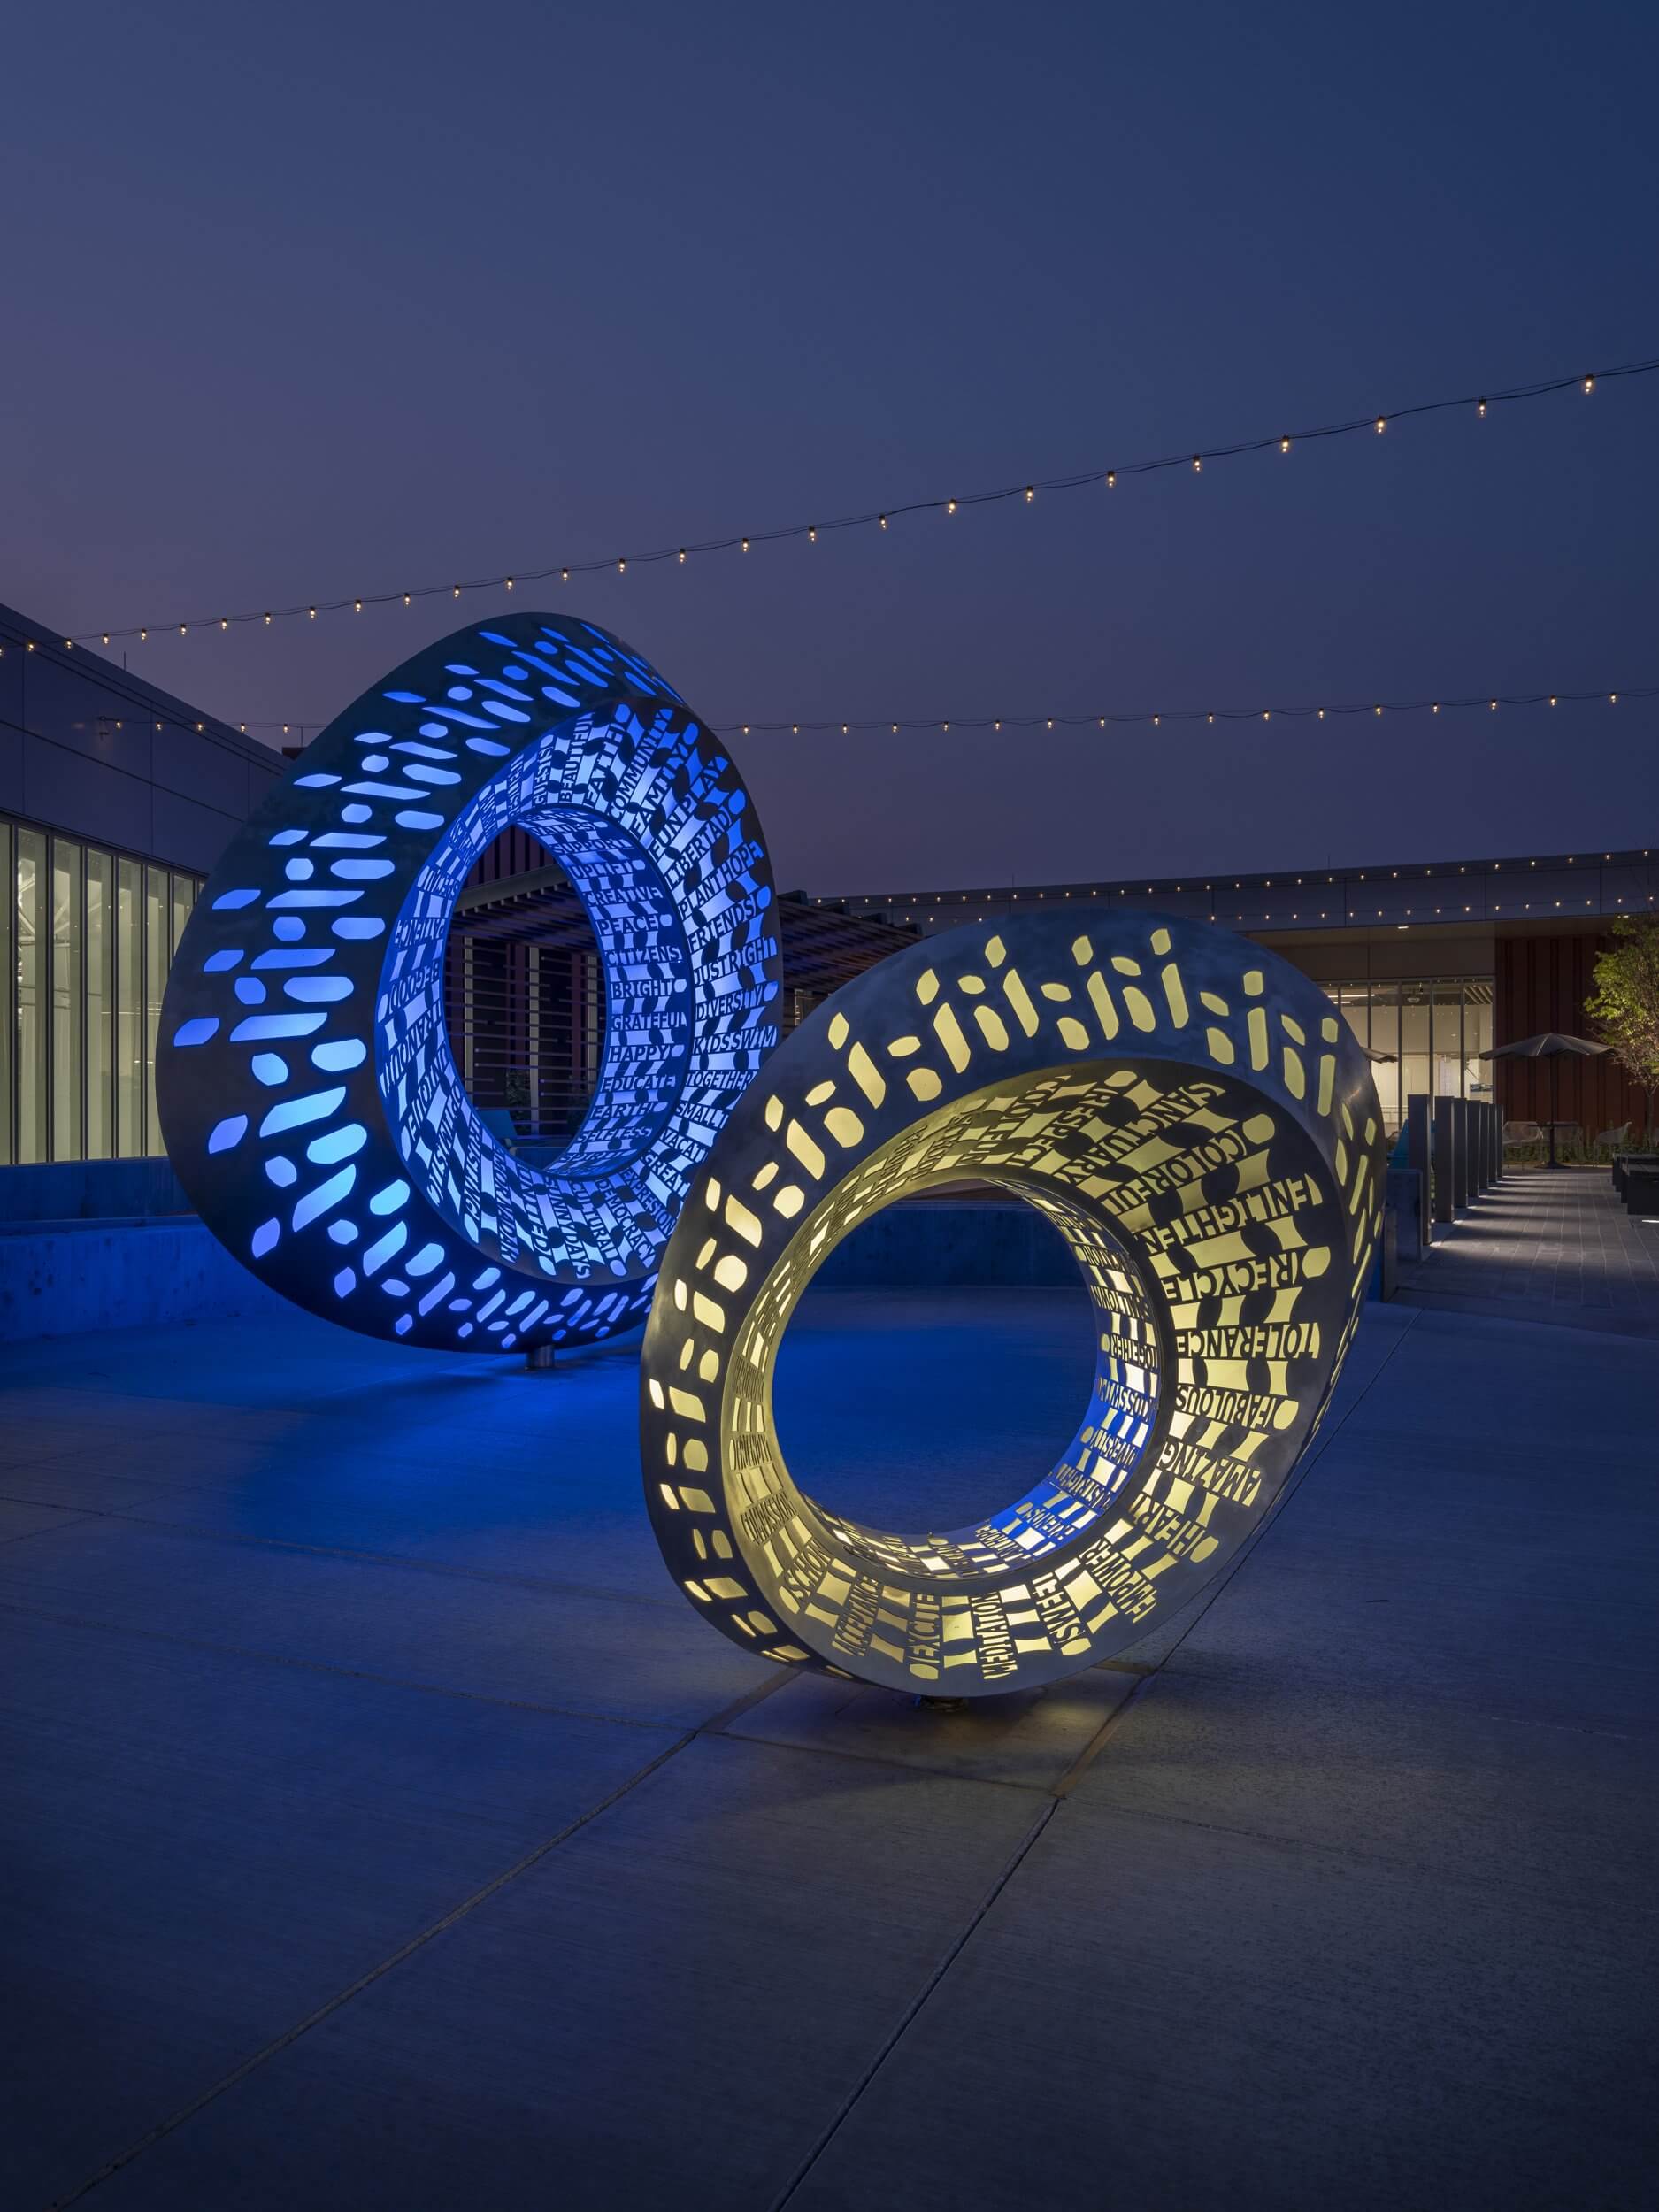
(317,300)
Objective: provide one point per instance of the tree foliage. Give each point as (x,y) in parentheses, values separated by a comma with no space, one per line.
(1625,1005)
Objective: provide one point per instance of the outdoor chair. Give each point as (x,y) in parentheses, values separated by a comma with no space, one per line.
(1612,1141)
(1519,1135)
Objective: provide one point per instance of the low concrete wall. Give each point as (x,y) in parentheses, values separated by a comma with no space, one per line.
(86,1190)
(64,1280)
(58,1279)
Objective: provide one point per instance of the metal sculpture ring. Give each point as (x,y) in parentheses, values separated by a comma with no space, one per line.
(310,1100)
(1200,1125)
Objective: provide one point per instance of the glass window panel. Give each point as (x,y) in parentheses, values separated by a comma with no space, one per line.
(1385,1038)
(1417,1061)
(100,1005)
(1354,1000)
(8,978)
(1447,1036)
(1478,1040)
(183,900)
(156,958)
(31,1002)
(129,1009)
(66,1001)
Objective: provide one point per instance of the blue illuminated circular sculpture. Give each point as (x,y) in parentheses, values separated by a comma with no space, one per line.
(310,1102)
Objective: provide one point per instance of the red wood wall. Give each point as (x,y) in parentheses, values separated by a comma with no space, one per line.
(1542,983)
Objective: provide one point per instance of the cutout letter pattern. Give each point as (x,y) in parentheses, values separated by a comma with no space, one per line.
(310,1102)
(1200,1127)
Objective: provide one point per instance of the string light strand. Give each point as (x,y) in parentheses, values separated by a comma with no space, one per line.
(1025,492)
(1488,702)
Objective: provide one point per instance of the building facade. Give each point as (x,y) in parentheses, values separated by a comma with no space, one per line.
(115,801)
(1433,963)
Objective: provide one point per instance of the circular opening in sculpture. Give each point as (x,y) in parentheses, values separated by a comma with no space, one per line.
(567,995)
(966,1321)
(1205,1137)
(1126,1410)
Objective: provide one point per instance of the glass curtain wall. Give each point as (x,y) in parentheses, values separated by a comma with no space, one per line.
(86,940)
(1423,1036)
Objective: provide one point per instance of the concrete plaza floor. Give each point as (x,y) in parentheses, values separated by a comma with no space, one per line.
(1546,1245)
(380,1829)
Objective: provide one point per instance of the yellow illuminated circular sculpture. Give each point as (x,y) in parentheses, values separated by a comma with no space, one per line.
(1200,1127)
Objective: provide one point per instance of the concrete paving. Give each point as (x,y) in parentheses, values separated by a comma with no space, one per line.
(382,1829)
(1546,1245)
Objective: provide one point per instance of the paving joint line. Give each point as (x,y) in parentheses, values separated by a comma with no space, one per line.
(953,1951)
(888,1761)
(321,1666)
(417,1942)
(22,1535)
(195,1531)
(1067,1782)
(1097,1742)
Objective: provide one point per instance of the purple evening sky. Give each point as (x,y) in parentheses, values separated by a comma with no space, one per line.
(315,299)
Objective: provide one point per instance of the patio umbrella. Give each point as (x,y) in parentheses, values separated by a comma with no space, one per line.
(1555,1046)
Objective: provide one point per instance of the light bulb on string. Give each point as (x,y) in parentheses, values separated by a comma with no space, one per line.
(1283,440)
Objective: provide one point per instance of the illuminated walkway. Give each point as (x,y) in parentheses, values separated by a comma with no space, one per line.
(381,1830)
(1547,1247)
